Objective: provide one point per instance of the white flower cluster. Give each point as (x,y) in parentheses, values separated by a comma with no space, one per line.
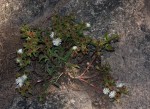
(88,25)
(106,91)
(20,51)
(119,85)
(18,60)
(56,41)
(52,35)
(74,48)
(20,81)
(112,93)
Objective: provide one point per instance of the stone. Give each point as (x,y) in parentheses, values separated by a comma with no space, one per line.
(130,61)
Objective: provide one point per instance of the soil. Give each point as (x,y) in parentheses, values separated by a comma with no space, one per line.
(130,62)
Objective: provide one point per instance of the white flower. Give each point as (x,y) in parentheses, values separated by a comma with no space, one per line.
(52,35)
(88,25)
(20,80)
(18,60)
(74,48)
(24,77)
(112,94)
(106,91)
(119,85)
(28,38)
(57,41)
(20,51)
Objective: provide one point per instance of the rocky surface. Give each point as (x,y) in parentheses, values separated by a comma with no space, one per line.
(60,100)
(130,62)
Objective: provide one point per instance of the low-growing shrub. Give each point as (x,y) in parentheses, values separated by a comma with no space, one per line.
(65,49)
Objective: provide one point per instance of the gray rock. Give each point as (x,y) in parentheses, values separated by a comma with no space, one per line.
(64,99)
(130,62)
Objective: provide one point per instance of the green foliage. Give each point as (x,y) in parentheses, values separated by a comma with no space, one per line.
(53,48)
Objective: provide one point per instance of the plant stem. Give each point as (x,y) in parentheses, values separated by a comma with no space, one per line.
(97,89)
(88,67)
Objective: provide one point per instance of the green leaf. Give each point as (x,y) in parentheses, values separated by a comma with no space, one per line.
(106,37)
(24,28)
(43,57)
(67,56)
(42,97)
(108,47)
(50,71)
